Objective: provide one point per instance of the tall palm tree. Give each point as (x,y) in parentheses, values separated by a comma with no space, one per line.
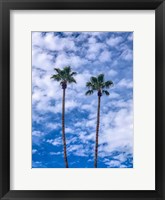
(98,84)
(64,76)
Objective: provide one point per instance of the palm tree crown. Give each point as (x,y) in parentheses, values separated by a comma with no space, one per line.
(65,76)
(98,84)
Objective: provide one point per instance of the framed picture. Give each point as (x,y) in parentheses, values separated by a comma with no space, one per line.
(82,97)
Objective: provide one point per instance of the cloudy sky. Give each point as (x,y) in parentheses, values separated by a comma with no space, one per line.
(89,54)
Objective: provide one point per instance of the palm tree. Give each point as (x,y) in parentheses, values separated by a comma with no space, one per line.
(64,76)
(98,84)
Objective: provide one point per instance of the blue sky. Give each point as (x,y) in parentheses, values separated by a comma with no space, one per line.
(89,54)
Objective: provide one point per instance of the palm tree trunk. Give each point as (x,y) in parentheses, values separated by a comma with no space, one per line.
(63,129)
(97,131)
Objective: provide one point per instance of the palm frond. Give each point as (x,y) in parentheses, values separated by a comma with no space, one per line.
(67,70)
(100,78)
(56,77)
(89,84)
(73,74)
(108,84)
(106,92)
(63,74)
(58,70)
(89,92)
(93,79)
(71,80)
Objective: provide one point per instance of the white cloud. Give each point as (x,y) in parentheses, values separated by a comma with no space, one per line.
(77,150)
(113,163)
(127,52)
(55,142)
(69,130)
(85,136)
(127,55)
(70,104)
(34,151)
(37,39)
(72,60)
(90,104)
(55,153)
(91,56)
(130,37)
(114,95)
(112,73)
(36,118)
(121,157)
(105,56)
(96,48)
(113,41)
(120,103)
(124,83)
(80,153)
(91,123)
(92,40)
(82,78)
(117,131)
(118,160)
(37,133)
(53,126)
(52,42)
(41,59)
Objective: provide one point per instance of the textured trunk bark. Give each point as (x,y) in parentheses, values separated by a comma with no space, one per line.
(63,129)
(97,131)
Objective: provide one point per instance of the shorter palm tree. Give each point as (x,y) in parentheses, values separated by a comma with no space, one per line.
(98,84)
(64,76)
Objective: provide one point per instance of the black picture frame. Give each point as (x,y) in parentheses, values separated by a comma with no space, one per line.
(5,7)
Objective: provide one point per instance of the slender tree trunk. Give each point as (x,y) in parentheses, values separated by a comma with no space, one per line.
(63,129)
(97,131)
